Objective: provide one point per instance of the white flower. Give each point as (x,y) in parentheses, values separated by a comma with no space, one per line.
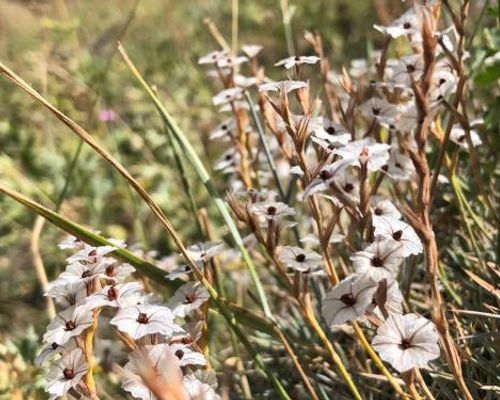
(332,132)
(187,298)
(224,129)
(203,252)
(348,300)
(326,176)
(80,271)
(155,362)
(67,324)
(71,243)
(187,356)
(282,86)
(299,259)
(400,232)
(407,341)
(66,293)
(199,390)
(123,295)
(406,24)
(400,167)
(444,83)
(379,109)
(290,62)
(90,254)
(180,271)
(145,319)
(272,210)
(365,152)
(227,95)
(251,50)
(66,373)
(245,81)
(227,161)
(381,207)
(200,253)
(114,271)
(379,260)
(406,69)
(348,184)
(49,351)
(458,136)
(213,57)
(229,61)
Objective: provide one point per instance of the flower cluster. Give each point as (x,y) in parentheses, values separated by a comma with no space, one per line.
(351,158)
(97,297)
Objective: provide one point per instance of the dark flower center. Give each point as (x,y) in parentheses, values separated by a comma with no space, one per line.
(397,235)
(112,293)
(87,273)
(376,261)
(365,152)
(410,68)
(190,298)
(68,373)
(330,130)
(348,187)
(142,318)
(70,325)
(405,344)
(348,299)
(271,210)
(378,211)
(179,354)
(300,257)
(110,270)
(325,175)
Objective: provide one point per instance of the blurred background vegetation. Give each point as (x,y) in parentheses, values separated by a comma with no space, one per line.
(66,50)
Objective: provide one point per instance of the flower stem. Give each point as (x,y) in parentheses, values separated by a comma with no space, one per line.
(313,322)
(89,356)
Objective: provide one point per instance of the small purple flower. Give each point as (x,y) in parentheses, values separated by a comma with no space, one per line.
(106,115)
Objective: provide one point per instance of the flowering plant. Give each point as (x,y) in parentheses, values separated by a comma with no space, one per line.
(329,279)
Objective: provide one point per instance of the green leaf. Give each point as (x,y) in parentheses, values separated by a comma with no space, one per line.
(488,76)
